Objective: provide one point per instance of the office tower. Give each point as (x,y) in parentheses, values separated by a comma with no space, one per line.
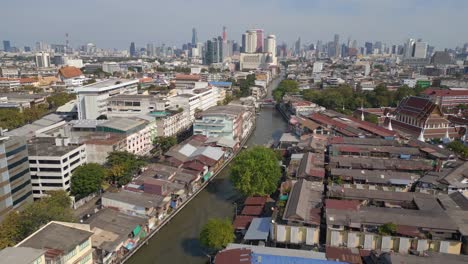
(224,35)
(218,49)
(270,45)
(331,49)
(42,60)
(420,50)
(214,51)
(133,52)
(344,50)
(150,50)
(378,47)
(354,44)
(194,36)
(15,180)
(336,43)
(298,46)
(409,48)
(6,46)
(27,49)
(250,41)
(369,48)
(235,47)
(260,37)
(244,42)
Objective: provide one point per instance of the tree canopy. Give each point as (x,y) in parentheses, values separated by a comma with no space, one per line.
(13,118)
(217,233)
(458,147)
(123,165)
(17,225)
(87,179)
(165,143)
(59,99)
(256,171)
(387,229)
(284,87)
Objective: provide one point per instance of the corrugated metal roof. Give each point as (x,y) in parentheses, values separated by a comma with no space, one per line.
(259,229)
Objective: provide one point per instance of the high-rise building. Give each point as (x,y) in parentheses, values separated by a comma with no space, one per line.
(260,37)
(133,52)
(224,35)
(194,37)
(150,50)
(6,46)
(251,41)
(214,51)
(27,49)
(42,60)
(270,45)
(336,42)
(244,42)
(298,46)
(369,47)
(15,179)
(409,48)
(420,50)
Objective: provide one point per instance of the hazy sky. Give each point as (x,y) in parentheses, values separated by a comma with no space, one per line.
(115,23)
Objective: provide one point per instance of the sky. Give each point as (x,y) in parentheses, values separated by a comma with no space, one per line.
(116,23)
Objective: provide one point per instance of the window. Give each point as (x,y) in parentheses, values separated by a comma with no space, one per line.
(15,151)
(49,161)
(85,259)
(71,255)
(84,245)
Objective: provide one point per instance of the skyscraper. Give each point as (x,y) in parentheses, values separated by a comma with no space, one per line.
(270,45)
(6,46)
(420,49)
(251,42)
(43,60)
(150,50)
(224,35)
(369,48)
(194,37)
(260,37)
(132,49)
(409,48)
(298,46)
(244,42)
(336,42)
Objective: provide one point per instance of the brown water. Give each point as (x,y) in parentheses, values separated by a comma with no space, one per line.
(177,242)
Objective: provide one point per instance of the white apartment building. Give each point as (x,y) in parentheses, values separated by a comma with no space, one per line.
(130,105)
(110,67)
(92,99)
(42,60)
(139,133)
(10,84)
(171,123)
(198,99)
(52,162)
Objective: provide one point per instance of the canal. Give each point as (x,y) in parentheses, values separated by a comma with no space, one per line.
(177,242)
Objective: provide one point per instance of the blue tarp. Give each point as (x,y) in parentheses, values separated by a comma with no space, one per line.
(273,259)
(222,84)
(259,229)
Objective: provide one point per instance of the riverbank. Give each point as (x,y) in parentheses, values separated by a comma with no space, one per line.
(186,202)
(178,241)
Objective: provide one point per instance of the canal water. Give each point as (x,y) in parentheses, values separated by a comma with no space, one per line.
(177,242)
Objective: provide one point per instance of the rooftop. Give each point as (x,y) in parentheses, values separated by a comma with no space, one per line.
(57,236)
(105,85)
(20,255)
(46,146)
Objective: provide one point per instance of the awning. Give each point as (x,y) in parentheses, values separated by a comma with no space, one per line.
(136,230)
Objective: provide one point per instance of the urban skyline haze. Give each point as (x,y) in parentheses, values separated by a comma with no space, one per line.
(116,23)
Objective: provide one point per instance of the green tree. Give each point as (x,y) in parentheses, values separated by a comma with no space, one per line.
(87,179)
(387,229)
(285,87)
(129,162)
(59,99)
(459,148)
(371,118)
(256,171)
(18,225)
(165,143)
(217,233)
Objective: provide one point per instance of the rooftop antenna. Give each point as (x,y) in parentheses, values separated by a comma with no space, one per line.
(66,42)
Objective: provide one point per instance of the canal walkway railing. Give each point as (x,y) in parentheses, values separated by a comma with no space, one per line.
(190,198)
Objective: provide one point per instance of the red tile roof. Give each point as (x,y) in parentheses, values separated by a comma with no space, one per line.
(352,205)
(187,77)
(28,80)
(70,72)
(256,200)
(440,92)
(242,221)
(252,210)
(342,254)
(234,256)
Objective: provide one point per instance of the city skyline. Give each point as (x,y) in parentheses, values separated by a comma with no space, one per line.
(311,20)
